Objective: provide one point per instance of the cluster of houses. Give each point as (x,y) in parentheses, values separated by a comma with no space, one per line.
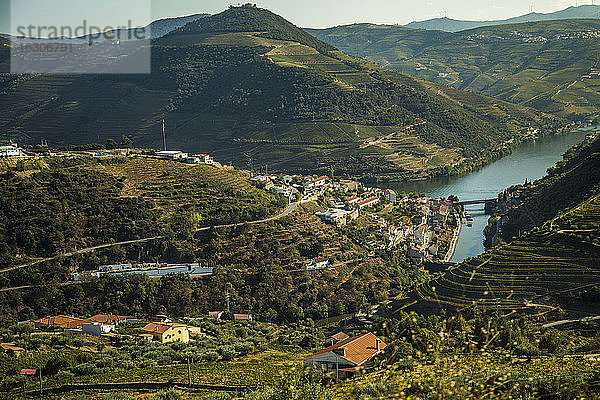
(105,325)
(342,355)
(177,155)
(429,222)
(153,270)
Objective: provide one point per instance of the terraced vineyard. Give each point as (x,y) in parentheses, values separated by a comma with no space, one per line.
(212,194)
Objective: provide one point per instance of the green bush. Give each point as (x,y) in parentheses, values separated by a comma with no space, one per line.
(170,394)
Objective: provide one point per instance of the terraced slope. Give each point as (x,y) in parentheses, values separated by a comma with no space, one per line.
(548,65)
(80,203)
(557,264)
(247,83)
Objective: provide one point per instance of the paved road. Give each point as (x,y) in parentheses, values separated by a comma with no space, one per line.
(289,209)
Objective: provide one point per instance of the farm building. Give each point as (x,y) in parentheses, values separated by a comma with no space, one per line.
(109,319)
(370,202)
(94,329)
(60,321)
(346,356)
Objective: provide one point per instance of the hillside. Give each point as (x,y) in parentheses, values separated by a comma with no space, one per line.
(84,202)
(546,65)
(585,11)
(554,266)
(248,82)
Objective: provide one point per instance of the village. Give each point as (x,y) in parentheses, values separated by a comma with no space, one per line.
(340,354)
(422,227)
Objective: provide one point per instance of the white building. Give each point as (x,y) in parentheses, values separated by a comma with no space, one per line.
(96,329)
(205,159)
(172,155)
(317,264)
(11,150)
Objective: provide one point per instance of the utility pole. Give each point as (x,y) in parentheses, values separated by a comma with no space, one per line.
(164,136)
(189,371)
(41,384)
(228,301)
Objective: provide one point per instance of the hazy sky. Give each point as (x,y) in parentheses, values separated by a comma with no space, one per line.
(326,13)
(305,13)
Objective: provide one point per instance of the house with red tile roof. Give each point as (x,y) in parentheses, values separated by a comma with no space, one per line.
(347,356)
(60,321)
(167,332)
(108,319)
(11,349)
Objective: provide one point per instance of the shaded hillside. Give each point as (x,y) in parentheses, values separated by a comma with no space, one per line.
(452,25)
(248,82)
(547,65)
(573,181)
(554,266)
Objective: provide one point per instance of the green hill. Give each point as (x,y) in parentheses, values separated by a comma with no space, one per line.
(548,65)
(555,265)
(246,81)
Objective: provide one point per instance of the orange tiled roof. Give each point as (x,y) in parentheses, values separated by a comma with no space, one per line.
(107,318)
(62,321)
(340,336)
(11,347)
(159,327)
(359,349)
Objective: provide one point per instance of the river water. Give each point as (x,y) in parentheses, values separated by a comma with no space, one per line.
(528,161)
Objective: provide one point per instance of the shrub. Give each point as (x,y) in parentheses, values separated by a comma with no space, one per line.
(117,396)
(170,394)
(227,352)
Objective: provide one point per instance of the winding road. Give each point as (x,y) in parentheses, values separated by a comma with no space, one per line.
(288,210)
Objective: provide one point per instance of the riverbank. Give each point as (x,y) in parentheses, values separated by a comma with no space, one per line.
(467,166)
(529,161)
(455,238)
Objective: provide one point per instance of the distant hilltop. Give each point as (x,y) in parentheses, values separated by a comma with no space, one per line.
(452,25)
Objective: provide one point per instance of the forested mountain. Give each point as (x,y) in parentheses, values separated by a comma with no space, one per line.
(246,81)
(548,65)
(452,25)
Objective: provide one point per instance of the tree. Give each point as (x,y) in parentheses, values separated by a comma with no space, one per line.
(126,142)
(111,144)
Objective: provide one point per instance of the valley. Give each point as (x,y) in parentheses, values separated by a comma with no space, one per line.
(280,213)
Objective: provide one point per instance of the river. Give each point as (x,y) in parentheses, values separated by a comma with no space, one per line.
(528,161)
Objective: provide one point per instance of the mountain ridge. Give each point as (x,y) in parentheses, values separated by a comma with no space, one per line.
(545,65)
(265,94)
(586,11)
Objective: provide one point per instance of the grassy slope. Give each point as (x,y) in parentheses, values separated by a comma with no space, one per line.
(230,91)
(545,75)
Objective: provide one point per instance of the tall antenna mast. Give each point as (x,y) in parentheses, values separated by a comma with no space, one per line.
(164,136)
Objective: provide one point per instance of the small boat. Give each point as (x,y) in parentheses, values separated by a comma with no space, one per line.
(467,215)
(470,224)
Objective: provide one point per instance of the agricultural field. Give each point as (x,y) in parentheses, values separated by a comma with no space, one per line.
(528,273)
